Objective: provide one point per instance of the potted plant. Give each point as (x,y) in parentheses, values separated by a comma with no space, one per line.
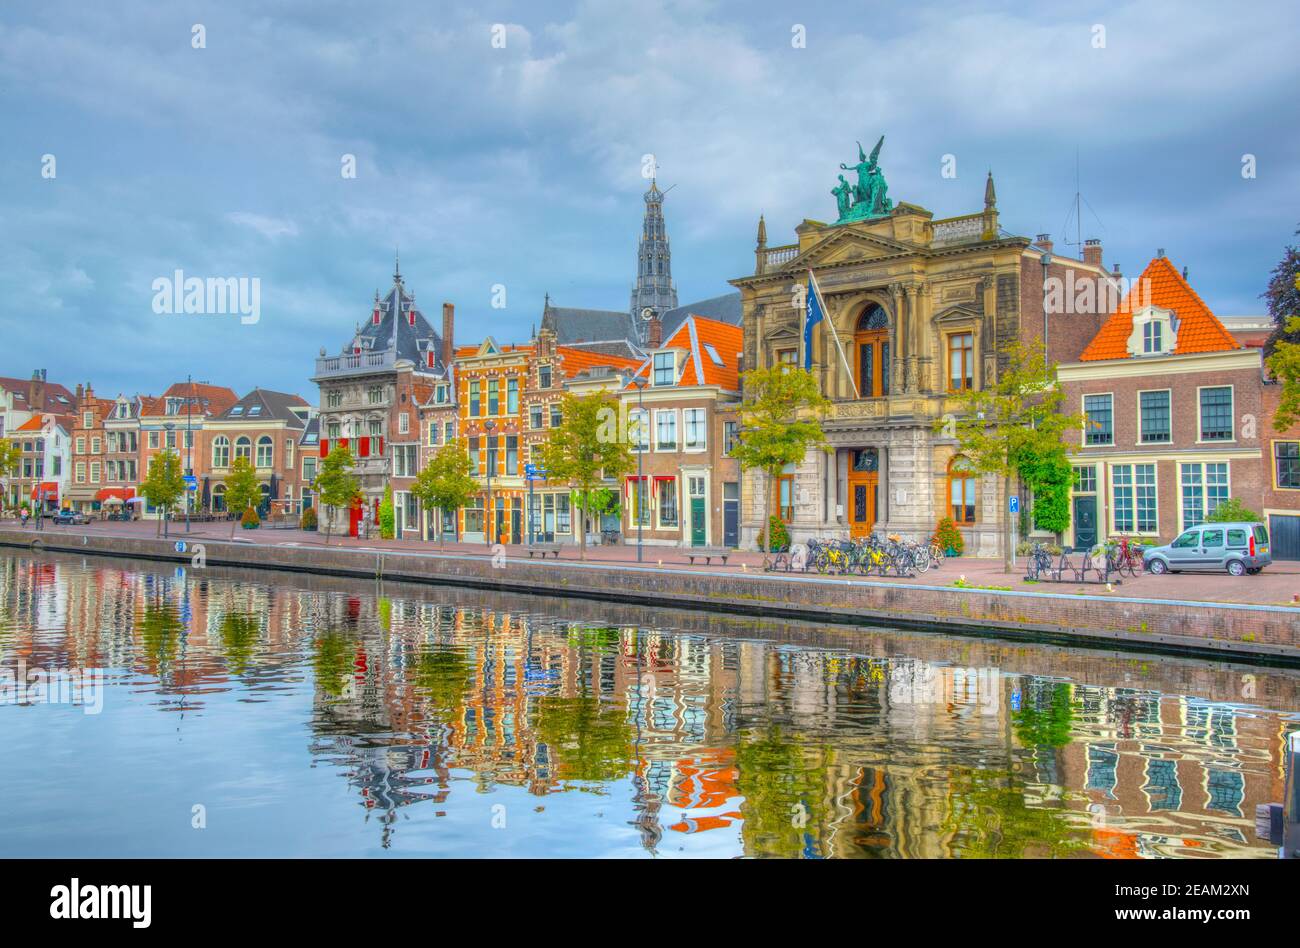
(308,521)
(949,537)
(250,520)
(778,535)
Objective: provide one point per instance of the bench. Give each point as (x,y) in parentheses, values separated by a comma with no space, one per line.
(708,554)
(545,548)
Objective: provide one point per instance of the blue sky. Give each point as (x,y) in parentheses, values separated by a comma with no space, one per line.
(521,165)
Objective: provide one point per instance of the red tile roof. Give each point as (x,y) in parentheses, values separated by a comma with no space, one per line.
(695,336)
(1161,285)
(574,361)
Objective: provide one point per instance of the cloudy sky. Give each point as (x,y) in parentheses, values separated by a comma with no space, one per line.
(522,165)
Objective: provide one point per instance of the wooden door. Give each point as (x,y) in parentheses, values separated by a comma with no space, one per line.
(863,488)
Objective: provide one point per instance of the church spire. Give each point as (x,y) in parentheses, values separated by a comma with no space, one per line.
(654,274)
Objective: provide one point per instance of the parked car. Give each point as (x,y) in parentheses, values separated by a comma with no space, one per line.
(1237,547)
(70,516)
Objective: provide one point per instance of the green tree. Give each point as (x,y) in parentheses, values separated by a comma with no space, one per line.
(780,417)
(586,449)
(387,517)
(165,482)
(1232,510)
(10,454)
(1017,417)
(1283,300)
(1050,476)
(242,490)
(445,483)
(336,486)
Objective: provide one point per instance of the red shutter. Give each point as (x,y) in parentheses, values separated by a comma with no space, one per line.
(324,447)
(381,446)
(363,447)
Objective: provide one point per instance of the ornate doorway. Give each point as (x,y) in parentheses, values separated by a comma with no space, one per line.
(871,352)
(864,490)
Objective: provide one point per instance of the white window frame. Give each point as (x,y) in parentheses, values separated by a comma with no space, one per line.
(703,426)
(1232,415)
(659,445)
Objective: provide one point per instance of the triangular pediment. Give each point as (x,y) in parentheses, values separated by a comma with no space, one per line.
(959,313)
(847,245)
(488,347)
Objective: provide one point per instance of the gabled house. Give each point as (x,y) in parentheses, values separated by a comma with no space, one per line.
(681,404)
(265,427)
(1173,415)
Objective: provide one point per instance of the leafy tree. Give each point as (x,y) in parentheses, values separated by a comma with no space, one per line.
(10,454)
(336,486)
(387,519)
(780,417)
(1050,476)
(1017,417)
(1283,298)
(242,490)
(584,451)
(445,483)
(1284,345)
(1232,510)
(165,483)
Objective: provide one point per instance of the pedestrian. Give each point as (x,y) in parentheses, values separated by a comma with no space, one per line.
(24,517)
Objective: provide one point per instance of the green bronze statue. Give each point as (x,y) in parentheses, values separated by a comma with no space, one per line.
(869,198)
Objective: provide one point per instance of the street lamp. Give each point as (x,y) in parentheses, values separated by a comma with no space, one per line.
(640,384)
(491,520)
(171,428)
(189,449)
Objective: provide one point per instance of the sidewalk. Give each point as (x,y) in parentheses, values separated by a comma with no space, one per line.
(1277,585)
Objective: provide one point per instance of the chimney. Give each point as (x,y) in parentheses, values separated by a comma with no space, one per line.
(1092,252)
(80,393)
(36,392)
(654,331)
(1160,253)
(1184,274)
(448,334)
(1044,241)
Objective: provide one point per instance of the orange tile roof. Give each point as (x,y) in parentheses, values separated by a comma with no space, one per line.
(1161,285)
(692,337)
(574,360)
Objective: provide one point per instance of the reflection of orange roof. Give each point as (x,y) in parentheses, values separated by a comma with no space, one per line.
(1161,285)
(1112,844)
(700,338)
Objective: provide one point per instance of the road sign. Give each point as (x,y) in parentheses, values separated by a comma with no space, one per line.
(1013,504)
(191,482)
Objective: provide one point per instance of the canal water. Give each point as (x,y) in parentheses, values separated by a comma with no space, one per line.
(157,711)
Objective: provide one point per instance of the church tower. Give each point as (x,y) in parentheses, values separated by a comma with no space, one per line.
(654,272)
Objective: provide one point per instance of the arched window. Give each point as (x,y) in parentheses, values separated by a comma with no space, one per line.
(961,490)
(265,451)
(221,451)
(243,448)
(219,498)
(871,344)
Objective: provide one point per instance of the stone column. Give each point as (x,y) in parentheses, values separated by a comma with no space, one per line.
(910,292)
(898,341)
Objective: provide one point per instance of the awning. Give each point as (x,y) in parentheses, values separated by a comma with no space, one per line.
(119,494)
(135,500)
(48,490)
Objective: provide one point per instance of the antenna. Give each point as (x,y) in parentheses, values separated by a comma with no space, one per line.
(1076,212)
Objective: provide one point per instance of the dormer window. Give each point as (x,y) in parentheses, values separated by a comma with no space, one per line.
(1154,332)
(665,364)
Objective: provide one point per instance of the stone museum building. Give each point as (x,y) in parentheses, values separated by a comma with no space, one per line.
(921,309)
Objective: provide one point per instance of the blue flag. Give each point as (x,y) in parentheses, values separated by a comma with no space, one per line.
(812,316)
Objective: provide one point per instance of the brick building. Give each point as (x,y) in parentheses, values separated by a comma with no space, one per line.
(96,479)
(1174,416)
(682,402)
(177,421)
(265,427)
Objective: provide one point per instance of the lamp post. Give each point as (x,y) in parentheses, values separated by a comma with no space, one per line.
(171,428)
(189,449)
(640,384)
(1046,261)
(491,520)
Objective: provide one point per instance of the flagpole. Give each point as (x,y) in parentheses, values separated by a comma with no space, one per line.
(826,318)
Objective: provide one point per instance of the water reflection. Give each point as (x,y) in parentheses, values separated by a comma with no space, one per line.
(311,717)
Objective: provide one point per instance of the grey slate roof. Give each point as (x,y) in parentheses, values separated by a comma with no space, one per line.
(264,403)
(725,309)
(394,330)
(588,325)
(620,347)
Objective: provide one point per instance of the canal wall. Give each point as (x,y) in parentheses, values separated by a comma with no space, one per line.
(1213,630)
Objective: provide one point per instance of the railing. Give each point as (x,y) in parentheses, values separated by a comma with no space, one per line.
(356,363)
(772,257)
(959,230)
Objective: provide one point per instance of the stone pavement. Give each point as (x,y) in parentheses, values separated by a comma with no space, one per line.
(1279,584)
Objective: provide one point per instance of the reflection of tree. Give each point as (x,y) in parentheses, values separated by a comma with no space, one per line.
(783,782)
(603,640)
(989,819)
(333,662)
(239,637)
(444,675)
(1046,718)
(587,739)
(160,630)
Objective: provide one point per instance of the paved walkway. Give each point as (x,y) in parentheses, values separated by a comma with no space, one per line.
(1279,584)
